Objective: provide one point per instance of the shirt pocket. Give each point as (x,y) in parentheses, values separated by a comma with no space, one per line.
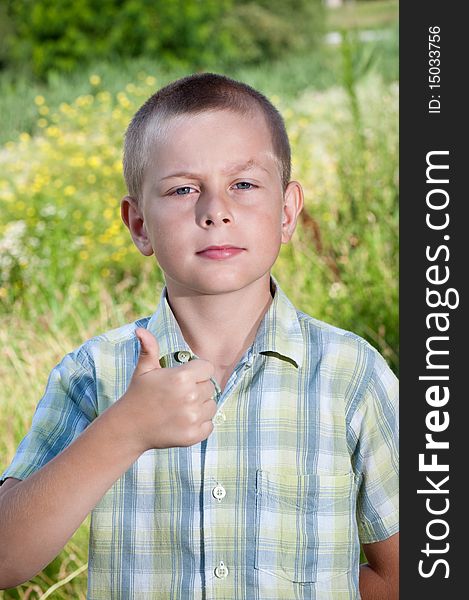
(305,525)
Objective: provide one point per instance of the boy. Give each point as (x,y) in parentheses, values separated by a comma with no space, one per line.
(229,446)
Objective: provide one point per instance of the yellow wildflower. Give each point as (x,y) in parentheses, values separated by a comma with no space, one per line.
(94,161)
(104,97)
(77,161)
(53,131)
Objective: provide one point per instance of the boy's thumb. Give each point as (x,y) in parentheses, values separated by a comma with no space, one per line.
(149,351)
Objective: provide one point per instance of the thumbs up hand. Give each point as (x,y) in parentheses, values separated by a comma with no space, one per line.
(149,352)
(164,408)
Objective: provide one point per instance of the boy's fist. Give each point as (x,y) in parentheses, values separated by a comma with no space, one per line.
(164,408)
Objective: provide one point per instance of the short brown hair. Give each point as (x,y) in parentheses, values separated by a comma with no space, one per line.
(195,94)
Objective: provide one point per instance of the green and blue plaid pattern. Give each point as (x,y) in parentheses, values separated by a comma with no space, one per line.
(300,468)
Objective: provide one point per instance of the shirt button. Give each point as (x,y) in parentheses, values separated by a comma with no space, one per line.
(219,418)
(183,356)
(221,571)
(219,492)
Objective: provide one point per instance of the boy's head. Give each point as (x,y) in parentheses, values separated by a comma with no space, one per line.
(208,167)
(193,95)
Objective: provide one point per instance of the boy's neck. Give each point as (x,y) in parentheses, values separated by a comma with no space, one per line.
(221,327)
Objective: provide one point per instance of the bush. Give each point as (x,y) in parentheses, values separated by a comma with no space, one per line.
(60,35)
(267,30)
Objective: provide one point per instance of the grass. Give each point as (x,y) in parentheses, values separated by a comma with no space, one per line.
(69,270)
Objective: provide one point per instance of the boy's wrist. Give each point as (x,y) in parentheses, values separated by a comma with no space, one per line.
(122,426)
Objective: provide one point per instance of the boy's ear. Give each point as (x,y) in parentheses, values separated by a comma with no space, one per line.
(133,219)
(292,206)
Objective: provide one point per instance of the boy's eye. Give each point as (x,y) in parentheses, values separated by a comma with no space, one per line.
(183,191)
(244,185)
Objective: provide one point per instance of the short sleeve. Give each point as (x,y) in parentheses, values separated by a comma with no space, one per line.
(65,410)
(377,455)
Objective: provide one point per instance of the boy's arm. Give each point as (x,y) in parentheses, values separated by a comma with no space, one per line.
(161,408)
(40,514)
(379,578)
(376,460)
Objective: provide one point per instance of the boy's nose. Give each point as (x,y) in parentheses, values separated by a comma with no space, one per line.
(214,211)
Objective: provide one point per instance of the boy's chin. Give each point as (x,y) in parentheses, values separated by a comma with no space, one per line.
(222,284)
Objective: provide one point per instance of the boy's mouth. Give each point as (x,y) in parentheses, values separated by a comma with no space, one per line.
(220,252)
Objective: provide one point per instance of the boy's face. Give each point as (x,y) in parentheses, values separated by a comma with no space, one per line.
(213,209)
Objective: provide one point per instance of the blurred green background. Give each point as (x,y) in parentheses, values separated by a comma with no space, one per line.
(71,76)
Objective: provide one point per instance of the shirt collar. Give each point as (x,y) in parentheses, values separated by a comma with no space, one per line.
(165,328)
(279,333)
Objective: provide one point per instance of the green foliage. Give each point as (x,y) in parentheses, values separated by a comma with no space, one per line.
(59,35)
(269,29)
(61,197)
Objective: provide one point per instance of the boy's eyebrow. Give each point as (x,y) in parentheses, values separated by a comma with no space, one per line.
(233,168)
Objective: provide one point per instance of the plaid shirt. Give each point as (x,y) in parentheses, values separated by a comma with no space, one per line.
(300,468)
